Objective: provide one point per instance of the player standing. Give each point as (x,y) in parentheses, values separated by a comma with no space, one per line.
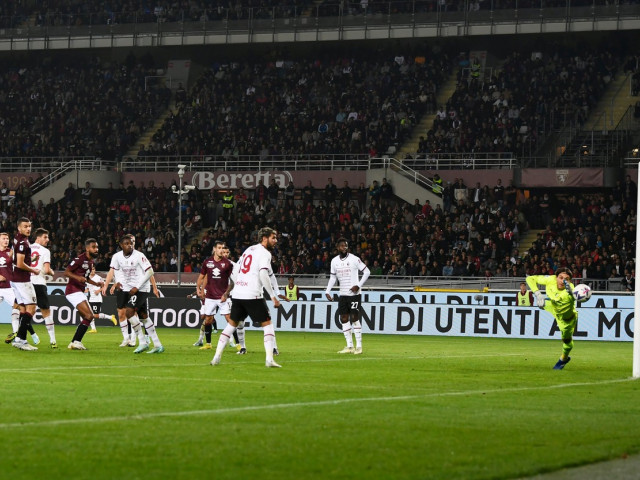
(344,268)
(136,275)
(251,276)
(6,292)
(213,286)
(21,284)
(78,272)
(41,258)
(561,304)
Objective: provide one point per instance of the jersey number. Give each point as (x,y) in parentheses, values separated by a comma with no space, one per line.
(246,264)
(354,305)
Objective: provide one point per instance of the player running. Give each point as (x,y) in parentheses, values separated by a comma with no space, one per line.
(251,276)
(78,272)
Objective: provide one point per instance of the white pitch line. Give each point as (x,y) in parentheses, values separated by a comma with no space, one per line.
(253,408)
(288,362)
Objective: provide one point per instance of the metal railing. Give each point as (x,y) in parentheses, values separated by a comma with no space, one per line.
(63,168)
(316,162)
(250,162)
(44,164)
(322,17)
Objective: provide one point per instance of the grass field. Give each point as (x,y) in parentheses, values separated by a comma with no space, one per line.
(410,407)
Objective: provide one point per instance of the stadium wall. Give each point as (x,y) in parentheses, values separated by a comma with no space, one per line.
(465,314)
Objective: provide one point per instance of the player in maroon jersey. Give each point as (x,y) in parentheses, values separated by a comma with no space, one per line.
(21,283)
(6,292)
(213,286)
(79,274)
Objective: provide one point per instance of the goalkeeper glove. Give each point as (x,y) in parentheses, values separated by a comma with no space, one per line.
(539,298)
(567,286)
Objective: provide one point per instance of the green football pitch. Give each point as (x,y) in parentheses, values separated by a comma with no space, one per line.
(409,407)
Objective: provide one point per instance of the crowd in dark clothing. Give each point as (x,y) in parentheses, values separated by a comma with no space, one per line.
(331,105)
(529,97)
(84,107)
(14,13)
(592,233)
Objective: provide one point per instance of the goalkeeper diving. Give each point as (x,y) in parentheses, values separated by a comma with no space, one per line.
(560,302)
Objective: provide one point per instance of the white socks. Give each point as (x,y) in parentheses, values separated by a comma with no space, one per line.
(124,328)
(15,319)
(151,330)
(226,334)
(346,330)
(357,331)
(137,327)
(269,336)
(48,322)
(240,332)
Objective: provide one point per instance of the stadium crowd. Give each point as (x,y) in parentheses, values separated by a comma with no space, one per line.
(529,97)
(478,235)
(14,13)
(79,107)
(336,105)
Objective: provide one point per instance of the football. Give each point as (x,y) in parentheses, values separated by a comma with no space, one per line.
(582,292)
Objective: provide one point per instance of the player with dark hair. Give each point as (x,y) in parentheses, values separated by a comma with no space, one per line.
(21,284)
(135,273)
(79,272)
(213,286)
(6,292)
(345,268)
(250,277)
(561,303)
(41,258)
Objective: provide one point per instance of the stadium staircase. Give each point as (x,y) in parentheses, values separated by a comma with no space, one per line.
(612,106)
(147,135)
(525,241)
(605,135)
(426,122)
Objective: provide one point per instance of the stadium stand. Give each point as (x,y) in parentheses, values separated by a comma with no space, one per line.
(80,107)
(329,105)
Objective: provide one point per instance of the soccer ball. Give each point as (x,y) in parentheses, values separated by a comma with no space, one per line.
(582,292)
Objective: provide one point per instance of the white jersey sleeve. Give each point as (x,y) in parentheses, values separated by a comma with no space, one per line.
(117,268)
(247,272)
(39,256)
(95,297)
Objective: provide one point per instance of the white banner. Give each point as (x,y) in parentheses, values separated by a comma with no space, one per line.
(495,315)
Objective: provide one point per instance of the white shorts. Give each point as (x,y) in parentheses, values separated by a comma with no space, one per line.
(25,293)
(211,307)
(76,298)
(7,295)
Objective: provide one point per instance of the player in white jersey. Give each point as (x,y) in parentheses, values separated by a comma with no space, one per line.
(250,277)
(345,268)
(41,258)
(128,335)
(95,301)
(135,273)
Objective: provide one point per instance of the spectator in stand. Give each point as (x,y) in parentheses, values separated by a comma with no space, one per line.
(308,192)
(386,193)
(272,193)
(70,193)
(330,192)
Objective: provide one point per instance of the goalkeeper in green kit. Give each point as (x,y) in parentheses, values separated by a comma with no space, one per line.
(560,302)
